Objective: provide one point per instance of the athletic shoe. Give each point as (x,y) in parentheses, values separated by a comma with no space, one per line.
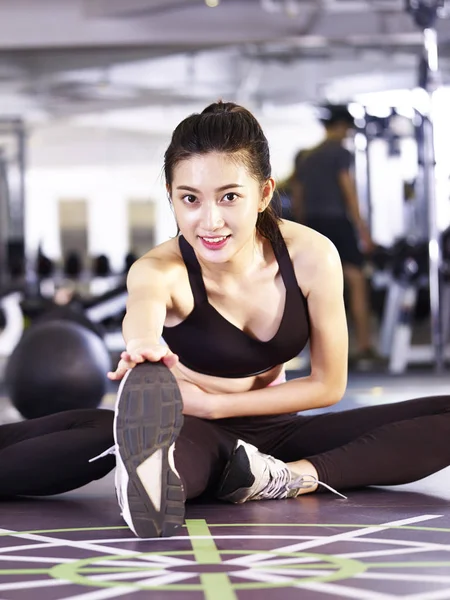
(252,475)
(148,420)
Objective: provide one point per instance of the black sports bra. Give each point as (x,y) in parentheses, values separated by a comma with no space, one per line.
(207,343)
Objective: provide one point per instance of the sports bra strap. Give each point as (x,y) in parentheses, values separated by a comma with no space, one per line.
(194,271)
(285,262)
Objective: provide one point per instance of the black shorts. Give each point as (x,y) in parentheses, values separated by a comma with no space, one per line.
(343,235)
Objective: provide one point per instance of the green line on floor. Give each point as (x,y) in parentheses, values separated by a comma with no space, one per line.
(205,550)
(216,586)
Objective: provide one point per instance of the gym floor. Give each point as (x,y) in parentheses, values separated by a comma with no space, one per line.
(380,543)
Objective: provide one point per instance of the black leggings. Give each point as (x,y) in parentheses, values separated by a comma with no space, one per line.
(379,445)
(50,455)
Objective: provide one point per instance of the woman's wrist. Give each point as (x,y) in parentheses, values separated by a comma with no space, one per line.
(218,406)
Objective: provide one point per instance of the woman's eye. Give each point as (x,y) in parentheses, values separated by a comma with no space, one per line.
(230,197)
(190,199)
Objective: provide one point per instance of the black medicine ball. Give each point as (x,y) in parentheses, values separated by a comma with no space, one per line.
(57,366)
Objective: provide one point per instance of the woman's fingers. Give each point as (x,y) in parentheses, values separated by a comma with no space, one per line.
(153,354)
(121,369)
(170,360)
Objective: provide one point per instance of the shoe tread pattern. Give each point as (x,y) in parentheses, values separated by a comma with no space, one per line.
(150,418)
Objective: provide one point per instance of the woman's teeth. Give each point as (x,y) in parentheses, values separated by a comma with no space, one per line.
(215,240)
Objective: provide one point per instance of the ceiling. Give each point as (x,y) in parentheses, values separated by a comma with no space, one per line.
(88,61)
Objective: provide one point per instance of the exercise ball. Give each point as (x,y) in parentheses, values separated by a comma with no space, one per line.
(57,366)
(72,312)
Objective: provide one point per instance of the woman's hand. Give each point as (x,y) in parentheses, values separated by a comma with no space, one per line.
(197,402)
(139,351)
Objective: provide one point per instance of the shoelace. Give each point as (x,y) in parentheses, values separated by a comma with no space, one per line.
(300,483)
(280,480)
(111,450)
(279,477)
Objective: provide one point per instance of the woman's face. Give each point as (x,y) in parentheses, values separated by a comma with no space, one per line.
(216,203)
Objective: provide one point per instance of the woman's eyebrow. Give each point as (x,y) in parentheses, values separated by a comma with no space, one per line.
(219,189)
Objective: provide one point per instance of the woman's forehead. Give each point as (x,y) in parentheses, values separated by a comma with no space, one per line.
(211,166)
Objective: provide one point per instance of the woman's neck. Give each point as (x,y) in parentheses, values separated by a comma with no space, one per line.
(250,258)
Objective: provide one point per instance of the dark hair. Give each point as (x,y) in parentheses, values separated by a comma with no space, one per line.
(227,128)
(331,114)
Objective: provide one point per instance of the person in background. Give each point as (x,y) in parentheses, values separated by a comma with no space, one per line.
(324,197)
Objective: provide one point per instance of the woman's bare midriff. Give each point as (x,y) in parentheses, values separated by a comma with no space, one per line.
(222,385)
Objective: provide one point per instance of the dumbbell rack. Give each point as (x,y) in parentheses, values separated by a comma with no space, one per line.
(395,339)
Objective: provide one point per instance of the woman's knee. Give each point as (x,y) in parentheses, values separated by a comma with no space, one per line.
(201,452)
(98,418)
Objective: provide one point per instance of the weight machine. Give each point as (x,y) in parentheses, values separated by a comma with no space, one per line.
(400,306)
(12,199)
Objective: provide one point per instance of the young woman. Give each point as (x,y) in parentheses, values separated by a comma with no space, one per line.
(236,295)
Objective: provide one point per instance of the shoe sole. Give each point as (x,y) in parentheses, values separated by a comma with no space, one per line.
(149,418)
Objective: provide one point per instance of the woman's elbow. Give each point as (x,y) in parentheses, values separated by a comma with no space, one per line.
(334,392)
(339,390)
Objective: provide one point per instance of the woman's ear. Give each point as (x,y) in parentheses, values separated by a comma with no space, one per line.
(267,194)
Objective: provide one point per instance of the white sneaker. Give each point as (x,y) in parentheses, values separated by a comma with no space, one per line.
(252,475)
(148,419)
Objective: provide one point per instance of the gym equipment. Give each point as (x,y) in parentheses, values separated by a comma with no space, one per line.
(45,267)
(101,266)
(404,262)
(73,265)
(14,321)
(16,259)
(12,199)
(407,300)
(72,312)
(129,260)
(4,201)
(95,314)
(415,284)
(425,14)
(57,366)
(107,309)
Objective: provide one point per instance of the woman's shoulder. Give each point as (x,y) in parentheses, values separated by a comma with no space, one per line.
(164,259)
(302,240)
(313,255)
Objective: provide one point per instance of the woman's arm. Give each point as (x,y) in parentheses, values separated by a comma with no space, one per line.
(147,301)
(147,304)
(321,273)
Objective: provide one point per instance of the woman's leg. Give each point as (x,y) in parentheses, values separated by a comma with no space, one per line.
(50,455)
(301,436)
(202,451)
(393,454)
(381,445)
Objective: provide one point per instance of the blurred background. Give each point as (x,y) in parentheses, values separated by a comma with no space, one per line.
(91,90)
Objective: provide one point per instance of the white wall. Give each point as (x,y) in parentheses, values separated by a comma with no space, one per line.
(106,192)
(105,168)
